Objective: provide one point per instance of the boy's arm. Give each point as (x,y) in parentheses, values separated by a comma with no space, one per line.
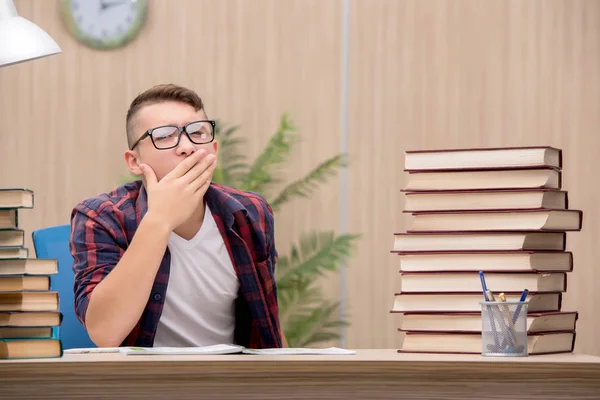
(112,285)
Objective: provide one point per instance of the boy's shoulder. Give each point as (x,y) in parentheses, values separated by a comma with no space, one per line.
(229,200)
(123,198)
(243,196)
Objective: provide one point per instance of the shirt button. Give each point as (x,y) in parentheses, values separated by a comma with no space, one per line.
(157,296)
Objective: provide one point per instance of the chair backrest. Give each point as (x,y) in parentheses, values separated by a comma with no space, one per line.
(53,242)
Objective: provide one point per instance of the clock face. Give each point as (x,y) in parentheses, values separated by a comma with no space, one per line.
(104,23)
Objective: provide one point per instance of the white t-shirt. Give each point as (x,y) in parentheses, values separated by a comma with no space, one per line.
(199,308)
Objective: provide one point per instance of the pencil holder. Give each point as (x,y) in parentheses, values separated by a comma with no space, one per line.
(504,328)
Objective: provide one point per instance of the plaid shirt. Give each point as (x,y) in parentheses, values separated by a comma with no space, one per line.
(102,227)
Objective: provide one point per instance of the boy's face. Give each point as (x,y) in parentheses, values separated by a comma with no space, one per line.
(161,114)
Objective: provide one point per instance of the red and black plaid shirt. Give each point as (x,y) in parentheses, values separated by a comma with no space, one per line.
(102,228)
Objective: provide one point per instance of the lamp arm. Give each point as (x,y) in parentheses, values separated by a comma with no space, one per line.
(7,9)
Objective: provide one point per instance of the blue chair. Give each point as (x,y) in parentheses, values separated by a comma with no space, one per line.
(53,243)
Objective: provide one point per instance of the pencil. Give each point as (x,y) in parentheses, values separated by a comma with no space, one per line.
(511,325)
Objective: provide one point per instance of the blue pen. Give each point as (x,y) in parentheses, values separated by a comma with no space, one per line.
(483,285)
(492,324)
(521,300)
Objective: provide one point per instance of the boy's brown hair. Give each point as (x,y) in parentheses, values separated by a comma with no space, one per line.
(159,94)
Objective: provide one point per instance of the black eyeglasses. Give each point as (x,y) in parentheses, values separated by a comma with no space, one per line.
(168,136)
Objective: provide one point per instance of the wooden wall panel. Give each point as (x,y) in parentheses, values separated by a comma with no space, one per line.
(62,117)
(423,73)
(438,74)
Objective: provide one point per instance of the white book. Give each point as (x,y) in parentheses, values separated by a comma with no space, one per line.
(298,350)
(215,349)
(211,350)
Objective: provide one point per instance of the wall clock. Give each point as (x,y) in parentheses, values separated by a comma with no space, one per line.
(104,24)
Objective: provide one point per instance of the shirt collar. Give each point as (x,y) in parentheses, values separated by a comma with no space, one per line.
(222,203)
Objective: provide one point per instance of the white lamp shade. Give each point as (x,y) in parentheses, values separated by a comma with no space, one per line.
(20,39)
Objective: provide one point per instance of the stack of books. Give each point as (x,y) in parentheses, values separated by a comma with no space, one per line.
(498,210)
(29,315)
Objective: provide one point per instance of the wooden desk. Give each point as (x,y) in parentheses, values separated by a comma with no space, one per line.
(370,374)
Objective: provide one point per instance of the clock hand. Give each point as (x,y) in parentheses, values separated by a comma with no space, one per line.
(104,5)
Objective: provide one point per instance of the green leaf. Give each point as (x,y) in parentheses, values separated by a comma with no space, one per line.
(297,298)
(309,329)
(305,317)
(231,165)
(277,151)
(319,252)
(305,186)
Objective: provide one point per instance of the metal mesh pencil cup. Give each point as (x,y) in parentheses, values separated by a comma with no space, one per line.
(504,328)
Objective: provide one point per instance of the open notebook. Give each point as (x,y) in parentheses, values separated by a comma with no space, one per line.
(215,349)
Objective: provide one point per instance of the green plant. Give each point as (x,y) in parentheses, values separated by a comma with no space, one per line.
(307,318)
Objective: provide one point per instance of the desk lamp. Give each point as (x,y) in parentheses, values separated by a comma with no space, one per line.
(20,39)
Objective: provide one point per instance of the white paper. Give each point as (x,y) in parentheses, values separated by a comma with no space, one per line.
(297,350)
(92,350)
(232,349)
(215,349)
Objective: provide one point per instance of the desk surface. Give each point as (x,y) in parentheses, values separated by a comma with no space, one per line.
(361,356)
(372,374)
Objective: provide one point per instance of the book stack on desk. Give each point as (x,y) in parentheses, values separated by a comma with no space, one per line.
(498,210)
(28,308)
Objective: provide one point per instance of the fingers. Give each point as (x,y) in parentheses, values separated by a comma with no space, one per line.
(202,189)
(149,175)
(203,179)
(186,165)
(198,169)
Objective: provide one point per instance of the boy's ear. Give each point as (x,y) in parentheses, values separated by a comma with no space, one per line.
(131,159)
